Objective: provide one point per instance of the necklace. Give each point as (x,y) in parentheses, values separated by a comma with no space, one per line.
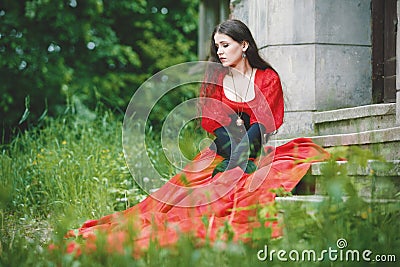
(239,120)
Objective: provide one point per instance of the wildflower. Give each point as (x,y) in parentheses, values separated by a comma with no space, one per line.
(64,142)
(364,215)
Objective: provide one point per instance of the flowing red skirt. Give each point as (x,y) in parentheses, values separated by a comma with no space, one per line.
(193,202)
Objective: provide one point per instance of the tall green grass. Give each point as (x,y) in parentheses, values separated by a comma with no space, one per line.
(72,166)
(72,169)
(69,162)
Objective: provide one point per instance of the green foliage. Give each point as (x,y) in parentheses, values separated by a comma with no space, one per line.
(72,169)
(71,161)
(365,223)
(96,50)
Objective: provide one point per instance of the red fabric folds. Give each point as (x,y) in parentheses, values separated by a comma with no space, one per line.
(202,205)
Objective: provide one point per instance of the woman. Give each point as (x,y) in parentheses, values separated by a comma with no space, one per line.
(249,87)
(226,184)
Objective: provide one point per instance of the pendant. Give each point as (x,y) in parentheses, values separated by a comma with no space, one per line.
(239,122)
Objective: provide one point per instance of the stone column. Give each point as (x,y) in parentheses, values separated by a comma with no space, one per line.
(208,18)
(321,49)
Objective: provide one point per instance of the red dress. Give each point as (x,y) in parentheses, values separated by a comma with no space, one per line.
(198,204)
(267,107)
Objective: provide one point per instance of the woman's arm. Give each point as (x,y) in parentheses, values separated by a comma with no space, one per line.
(269,109)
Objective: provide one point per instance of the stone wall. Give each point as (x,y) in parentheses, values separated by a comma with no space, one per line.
(321,49)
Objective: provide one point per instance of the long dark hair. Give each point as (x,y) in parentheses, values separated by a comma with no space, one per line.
(239,32)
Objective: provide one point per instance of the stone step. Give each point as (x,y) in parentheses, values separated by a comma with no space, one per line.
(384,142)
(312,203)
(319,198)
(355,120)
(376,180)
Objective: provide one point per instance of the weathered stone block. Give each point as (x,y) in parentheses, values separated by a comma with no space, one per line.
(240,10)
(309,21)
(291,22)
(343,22)
(296,67)
(258,23)
(296,124)
(355,120)
(343,76)
(377,179)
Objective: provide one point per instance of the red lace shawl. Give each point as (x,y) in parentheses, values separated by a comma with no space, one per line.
(267,107)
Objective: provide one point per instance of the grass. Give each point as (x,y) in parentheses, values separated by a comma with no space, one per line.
(71,169)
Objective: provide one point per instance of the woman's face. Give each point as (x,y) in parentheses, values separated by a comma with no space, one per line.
(229,51)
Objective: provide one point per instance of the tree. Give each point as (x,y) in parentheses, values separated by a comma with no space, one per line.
(51,50)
